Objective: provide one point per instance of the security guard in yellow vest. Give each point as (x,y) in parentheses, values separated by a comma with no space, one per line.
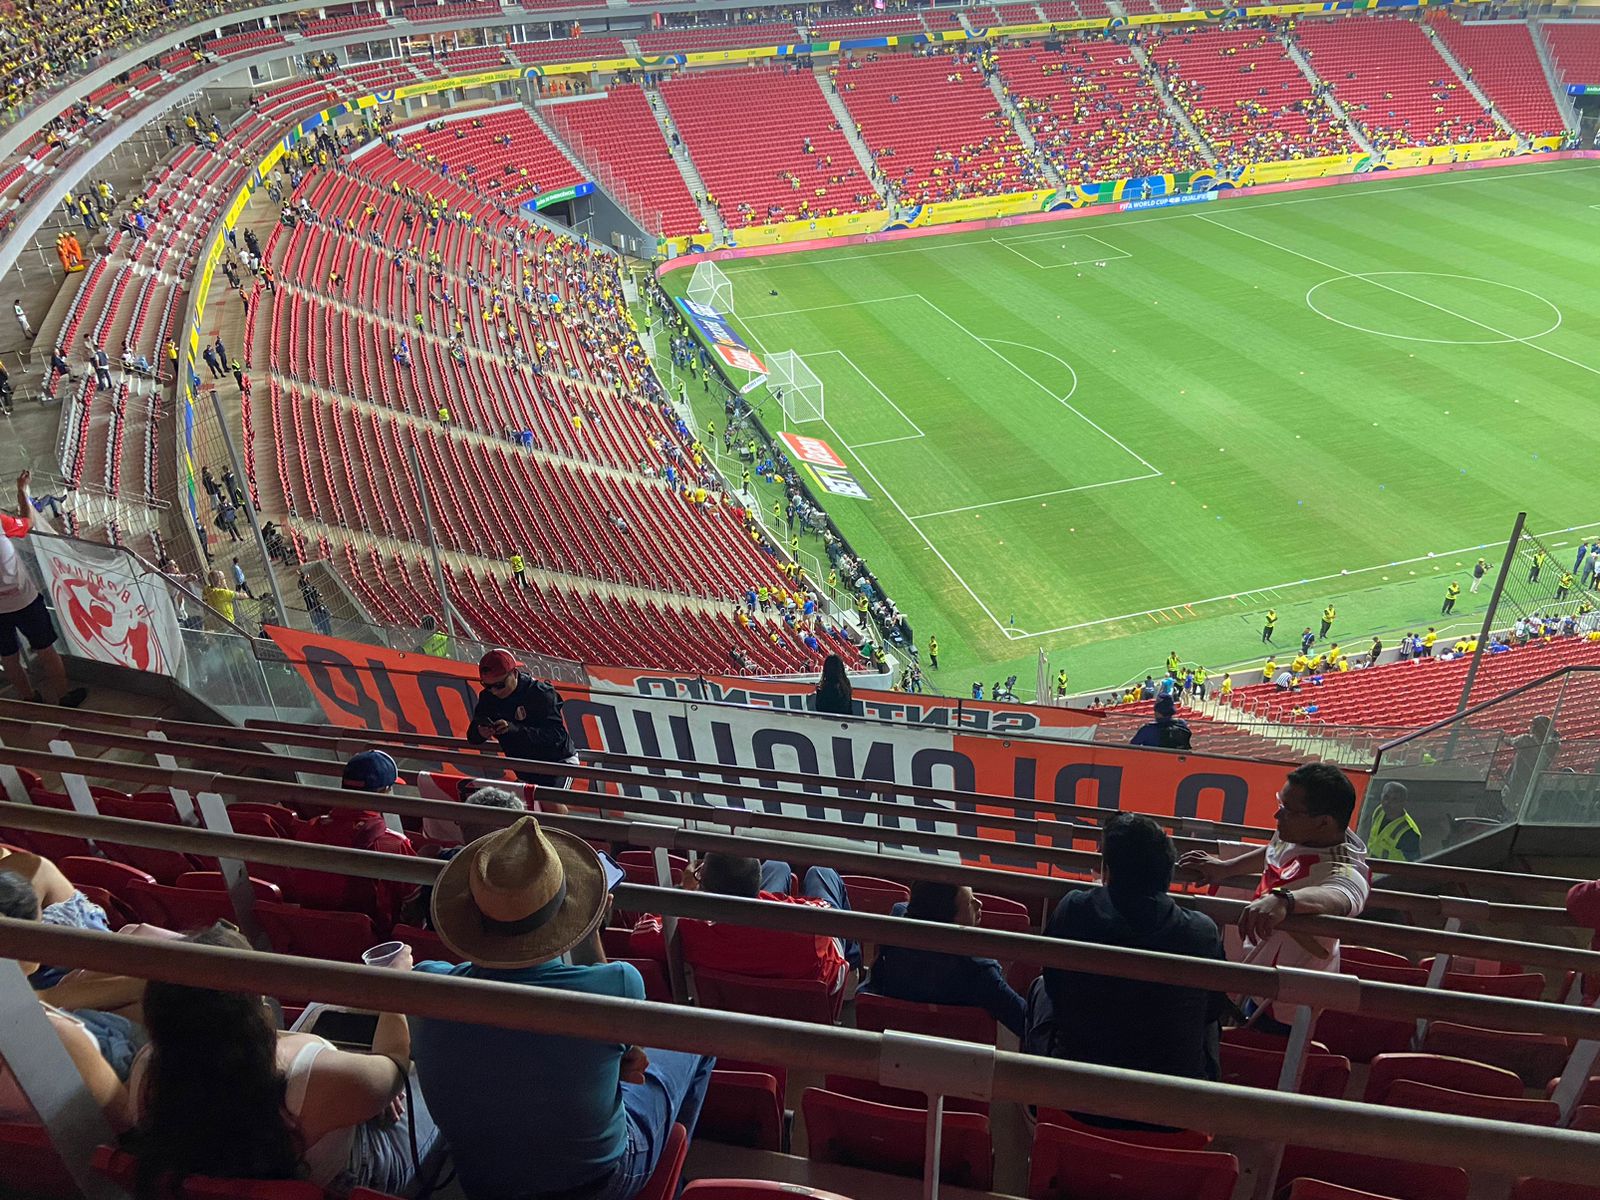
(435,641)
(1393,834)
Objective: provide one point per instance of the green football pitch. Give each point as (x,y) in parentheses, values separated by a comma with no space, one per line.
(1109,438)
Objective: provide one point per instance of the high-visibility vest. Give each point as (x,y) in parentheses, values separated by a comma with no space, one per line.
(1383,839)
(437,644)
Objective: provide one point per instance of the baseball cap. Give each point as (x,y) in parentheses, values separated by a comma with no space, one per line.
(497,664)
(370,771)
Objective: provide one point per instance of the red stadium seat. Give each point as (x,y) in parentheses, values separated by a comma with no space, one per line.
(791,999)
(1008,916)
(871,895)
(754,1189)
(1315,1189)
(1323,1074)
(314,933)
(1459,1073)
(1171,1139)
(742,1108)
(180,909)
(1068,1164)
(867,1089)
(114,877)
(1360,1037)
(1549,1189)
(122,1168)
(1408,1093)
(960,1022)
(215,881)
(882,1137)
(1357,956)
(29,1165)
(1391,1177)
(1535,1057)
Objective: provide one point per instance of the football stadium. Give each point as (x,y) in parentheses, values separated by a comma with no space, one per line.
(619,599)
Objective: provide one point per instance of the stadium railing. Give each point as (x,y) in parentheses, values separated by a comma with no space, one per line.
(935,1066)
(206,790)
(615,781)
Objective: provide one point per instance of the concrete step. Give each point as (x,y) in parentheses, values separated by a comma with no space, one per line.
(1024,134)
(686,167)
(1551,74)
(847,125)
(1465,76)
(1332,101)
(1174,109)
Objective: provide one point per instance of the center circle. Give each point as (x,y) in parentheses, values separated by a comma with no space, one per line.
(1471,310)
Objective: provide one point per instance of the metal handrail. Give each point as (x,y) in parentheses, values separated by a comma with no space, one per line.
(338,742)
(1086,862)
(959,1070)
(1252,980)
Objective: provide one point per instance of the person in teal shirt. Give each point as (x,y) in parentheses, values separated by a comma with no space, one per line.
(528,1114)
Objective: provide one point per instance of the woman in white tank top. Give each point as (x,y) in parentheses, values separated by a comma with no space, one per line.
(219,1092)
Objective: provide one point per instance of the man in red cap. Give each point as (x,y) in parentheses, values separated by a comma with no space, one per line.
(524,715)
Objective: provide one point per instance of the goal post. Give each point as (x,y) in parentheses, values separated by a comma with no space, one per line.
(708,285)
(796,388)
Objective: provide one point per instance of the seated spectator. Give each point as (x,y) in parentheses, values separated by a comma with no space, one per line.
(529,1114)
(930,977)
(1313,866)
(60,902)
(1156,1027)
(357,829)
(219,1092)
(743,949)
(96,1042)
(1166,731)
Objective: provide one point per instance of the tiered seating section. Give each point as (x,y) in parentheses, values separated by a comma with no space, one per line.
(748,130)
(713,37)
(1246,97)
(584,404)
(1092,111)
(1420,692)
(1453,1068)
(933,126)
(618,136)
(503,154)
(1575,47)
(1392,82)
(1504,63)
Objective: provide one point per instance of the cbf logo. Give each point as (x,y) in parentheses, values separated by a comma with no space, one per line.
(108,622)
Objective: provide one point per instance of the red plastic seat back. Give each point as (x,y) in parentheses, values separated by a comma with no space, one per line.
(963,1023)
(215,881)
(750,1189)
(315,933)
(160,811)
(121,1167)
(790,999)
(1386,1176)
(866,1089)
(1008,916)
(29,1165)
(114,877)
(742,1108)
(1071,1165)
(1460,1074)
(1535,1057)
(1164,1139)
(1248,1066)
(881,1137)
(1426,1097)
(870,895)
(182,910)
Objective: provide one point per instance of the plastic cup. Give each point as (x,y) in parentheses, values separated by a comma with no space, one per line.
(382,954)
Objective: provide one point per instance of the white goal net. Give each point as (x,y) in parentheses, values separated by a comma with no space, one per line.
(796,388)
(709,286)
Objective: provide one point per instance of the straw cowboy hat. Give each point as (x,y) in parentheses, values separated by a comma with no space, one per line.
(520,896)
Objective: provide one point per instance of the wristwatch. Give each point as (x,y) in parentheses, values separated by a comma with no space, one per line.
(1286,896)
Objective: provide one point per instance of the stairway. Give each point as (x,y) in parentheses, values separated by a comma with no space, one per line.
(1328,97)
(1018,122)
(1465,76)
(1551,74)
(1174,109)
(544,123)
(847,125)
(686,167)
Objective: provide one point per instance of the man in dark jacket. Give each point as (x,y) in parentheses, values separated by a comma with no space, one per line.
(1166,731)
(523,714)
(1157,1027)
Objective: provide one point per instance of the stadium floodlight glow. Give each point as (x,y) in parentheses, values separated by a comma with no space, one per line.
(796,388)
(709,286)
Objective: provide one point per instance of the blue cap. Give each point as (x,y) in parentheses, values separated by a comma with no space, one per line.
(370,771)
